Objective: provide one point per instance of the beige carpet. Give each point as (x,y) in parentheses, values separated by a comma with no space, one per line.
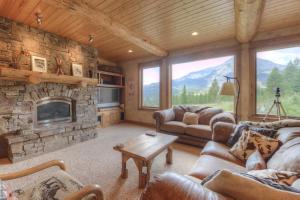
(95,162)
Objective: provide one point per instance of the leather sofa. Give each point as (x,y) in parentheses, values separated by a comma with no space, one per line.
(215,156)
(169,121)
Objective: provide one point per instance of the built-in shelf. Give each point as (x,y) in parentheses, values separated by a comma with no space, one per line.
(110,79)
(39,77)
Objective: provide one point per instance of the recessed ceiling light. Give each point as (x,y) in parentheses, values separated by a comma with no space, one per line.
(194,33)
(130,51)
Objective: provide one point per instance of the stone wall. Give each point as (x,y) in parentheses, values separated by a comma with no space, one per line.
(15,36)
(17,100)
(17,118)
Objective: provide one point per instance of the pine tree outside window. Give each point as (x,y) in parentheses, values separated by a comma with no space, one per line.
(199,82)
(278,68)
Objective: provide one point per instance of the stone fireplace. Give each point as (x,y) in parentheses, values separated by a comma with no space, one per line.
(35,119)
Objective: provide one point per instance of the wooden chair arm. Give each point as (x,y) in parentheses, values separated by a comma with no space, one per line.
(86,190)
(32,170)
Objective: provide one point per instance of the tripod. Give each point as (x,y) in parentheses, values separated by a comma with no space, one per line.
(277,104)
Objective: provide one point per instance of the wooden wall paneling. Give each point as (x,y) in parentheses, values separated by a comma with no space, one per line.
(245,80)
(100,19)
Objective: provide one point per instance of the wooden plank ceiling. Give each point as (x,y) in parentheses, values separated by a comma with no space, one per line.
(168,23)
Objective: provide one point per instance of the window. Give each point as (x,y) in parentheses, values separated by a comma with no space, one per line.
(150,86)
(199,82)
(278,68)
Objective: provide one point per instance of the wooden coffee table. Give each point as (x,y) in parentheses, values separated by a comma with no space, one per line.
(143,149)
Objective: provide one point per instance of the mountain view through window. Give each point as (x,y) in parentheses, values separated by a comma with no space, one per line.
(199,82)
(278,68)
(151,87)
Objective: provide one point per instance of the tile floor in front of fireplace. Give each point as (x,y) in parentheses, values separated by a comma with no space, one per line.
(95,162)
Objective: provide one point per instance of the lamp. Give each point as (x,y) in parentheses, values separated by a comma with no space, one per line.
(229,89)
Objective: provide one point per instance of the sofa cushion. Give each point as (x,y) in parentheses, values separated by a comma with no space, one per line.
(256,161)
(179,112)
(281,177)
(206,115)
(190,118)
(241,187)
(207,165)
(173,127)
(287,157)
(287,134)
(276,125)
(234,137)
(56,185)
(5,192)
(296,184)
(221,151)
(222,117)
(251,141)
(201,131)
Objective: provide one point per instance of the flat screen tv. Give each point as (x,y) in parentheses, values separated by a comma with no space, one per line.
(108,97)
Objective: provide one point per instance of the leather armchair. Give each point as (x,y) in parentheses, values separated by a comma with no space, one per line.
(222,131)
(177,187)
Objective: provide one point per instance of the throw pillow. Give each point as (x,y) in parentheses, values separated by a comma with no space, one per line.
(296,184)
(226,182)
(239,130)
(190,118)
(287,157)
(251,141)
(256,162)
(5,192)
(275,125)
(281,177)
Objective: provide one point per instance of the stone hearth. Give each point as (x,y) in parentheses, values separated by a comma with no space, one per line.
(20,135)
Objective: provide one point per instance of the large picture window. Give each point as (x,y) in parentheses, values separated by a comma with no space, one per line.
(278,68)
(150,86)
(199,82)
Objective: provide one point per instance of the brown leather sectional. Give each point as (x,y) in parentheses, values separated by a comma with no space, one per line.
(215,156)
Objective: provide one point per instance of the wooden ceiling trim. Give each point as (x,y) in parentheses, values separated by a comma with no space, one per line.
(187,28)
(183,23)
(247,18)
(152,9)
(132,8)
(55,19)
(116,28)
(30,14)
(177,11)
(113,6)
(26,8)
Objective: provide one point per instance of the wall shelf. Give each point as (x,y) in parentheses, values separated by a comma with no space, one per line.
(39,77)
(110,79)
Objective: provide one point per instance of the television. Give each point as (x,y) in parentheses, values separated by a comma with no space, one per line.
(108,97)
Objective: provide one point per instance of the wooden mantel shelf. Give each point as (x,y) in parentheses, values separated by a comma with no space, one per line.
(39,77)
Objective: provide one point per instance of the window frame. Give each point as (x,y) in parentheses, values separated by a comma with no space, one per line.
(234,51)
(265,46)
(143,66)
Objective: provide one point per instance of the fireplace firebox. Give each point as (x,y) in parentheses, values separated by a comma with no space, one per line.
(52,110)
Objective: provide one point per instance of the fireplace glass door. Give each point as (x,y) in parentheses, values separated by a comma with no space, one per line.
(53,110)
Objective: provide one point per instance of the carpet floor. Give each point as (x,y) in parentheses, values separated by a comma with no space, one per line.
(95,162)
